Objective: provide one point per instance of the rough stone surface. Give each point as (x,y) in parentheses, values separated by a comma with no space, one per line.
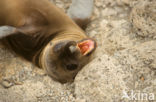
(103,83)
(125,61)
(143,18)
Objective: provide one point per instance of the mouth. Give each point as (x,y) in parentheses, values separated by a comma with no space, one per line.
(86,46)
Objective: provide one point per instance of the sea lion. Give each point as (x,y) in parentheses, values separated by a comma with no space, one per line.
(47,37)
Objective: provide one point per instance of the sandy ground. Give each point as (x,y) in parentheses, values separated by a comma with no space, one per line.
(123,70)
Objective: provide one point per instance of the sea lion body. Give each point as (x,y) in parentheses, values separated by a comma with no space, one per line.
(43,36)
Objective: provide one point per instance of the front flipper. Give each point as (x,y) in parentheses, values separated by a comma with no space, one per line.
(6,30)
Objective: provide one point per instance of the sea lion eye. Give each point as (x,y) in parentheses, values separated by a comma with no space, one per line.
(72,67)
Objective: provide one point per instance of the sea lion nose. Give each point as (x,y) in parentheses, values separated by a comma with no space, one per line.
(72,67)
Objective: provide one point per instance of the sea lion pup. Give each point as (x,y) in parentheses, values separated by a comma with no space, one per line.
(46,36)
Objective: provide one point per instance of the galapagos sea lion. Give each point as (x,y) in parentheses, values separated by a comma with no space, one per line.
(47,37)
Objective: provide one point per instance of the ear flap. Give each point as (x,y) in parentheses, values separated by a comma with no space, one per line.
(35,22)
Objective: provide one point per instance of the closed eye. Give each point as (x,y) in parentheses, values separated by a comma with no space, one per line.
(72,67)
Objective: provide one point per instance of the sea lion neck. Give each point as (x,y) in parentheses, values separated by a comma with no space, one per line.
(71,34)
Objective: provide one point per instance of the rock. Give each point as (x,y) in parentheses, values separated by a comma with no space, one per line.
(143,18)
(138,64)
(129,71)
(100,81)
(6,84)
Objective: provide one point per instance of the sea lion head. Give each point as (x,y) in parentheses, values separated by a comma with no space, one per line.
(63,60)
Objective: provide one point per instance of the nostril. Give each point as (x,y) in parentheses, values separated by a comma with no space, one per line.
(72,67)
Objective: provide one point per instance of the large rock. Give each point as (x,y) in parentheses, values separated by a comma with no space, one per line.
(110,78)
(140,62)
(100,81)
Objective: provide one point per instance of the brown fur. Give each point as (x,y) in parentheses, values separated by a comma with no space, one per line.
(43,36)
